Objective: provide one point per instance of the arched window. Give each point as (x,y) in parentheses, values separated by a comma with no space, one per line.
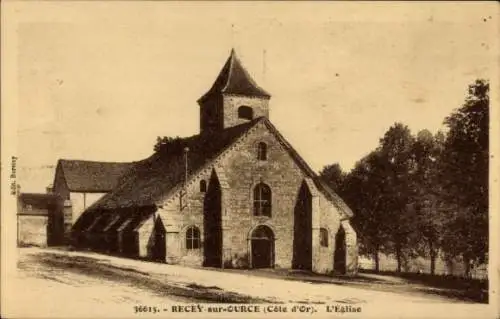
(203,186)
(262,151)
(193,238)
(262,200)
(323,237)
(245,112)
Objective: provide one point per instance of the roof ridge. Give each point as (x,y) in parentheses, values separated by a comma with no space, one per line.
(39,194)
(322,187)
(93,161)
(232,56)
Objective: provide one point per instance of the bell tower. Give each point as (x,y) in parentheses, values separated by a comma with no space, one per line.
(233,99)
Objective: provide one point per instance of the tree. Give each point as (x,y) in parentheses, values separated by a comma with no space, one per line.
(333,176)
(168,144)
(426,153)
(364,190)
(425,194)
(396,151)
(463,175)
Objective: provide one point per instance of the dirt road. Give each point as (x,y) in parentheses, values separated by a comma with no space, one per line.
(61,282)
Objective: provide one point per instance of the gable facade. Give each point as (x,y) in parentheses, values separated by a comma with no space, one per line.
(237,173)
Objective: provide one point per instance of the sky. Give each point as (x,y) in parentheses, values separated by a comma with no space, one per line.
(101,80)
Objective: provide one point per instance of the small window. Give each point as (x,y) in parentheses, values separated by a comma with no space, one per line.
(262,151)
(203,186)
(245,112)
(262,200)
(323,237)
(29,207)
(193,238)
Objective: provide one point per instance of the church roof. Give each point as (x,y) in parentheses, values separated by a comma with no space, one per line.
(90,176)
(234,79)
(150,179)
(157,177)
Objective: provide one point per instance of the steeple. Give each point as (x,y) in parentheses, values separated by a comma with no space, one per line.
(233,99)
(234,79)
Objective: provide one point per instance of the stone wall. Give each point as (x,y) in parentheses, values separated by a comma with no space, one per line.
(351,248)
(145,235)
(177,221)
(32,230)
(388,262)
(244,171)
(329,220)
(219,112)
(239,171)
(260,108)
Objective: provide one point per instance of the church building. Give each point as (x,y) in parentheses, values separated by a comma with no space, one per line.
(236,195)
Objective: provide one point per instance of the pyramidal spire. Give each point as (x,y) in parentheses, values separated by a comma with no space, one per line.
(234,79)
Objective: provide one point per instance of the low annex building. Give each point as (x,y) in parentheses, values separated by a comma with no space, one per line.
(82,183)
(235,195)
(39,219)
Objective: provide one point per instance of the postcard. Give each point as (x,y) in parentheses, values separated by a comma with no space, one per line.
(249,159)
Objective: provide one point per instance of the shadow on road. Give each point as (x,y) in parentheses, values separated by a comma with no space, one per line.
(51,266)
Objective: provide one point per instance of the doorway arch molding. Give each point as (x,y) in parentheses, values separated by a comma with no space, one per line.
(254,227)
(251,245)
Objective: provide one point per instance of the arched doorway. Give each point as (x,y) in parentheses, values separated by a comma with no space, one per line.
(262,247)
(340,252)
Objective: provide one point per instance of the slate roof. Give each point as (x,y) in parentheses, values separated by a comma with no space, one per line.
(234,79)
(107,221)
(90,176)
(150,179)
(40,203)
